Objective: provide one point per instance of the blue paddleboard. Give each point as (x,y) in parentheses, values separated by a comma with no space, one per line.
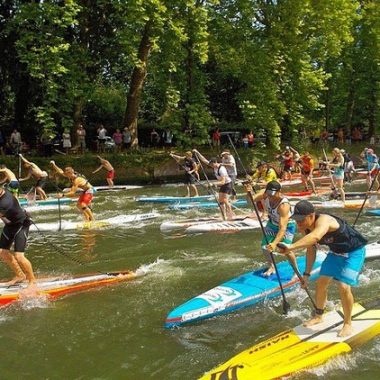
(164,199)
(51,201)
(188,206)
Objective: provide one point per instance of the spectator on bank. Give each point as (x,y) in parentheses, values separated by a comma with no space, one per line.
(81,139)
(372,140)
(356,134)
(118,139)
(66,140)
(324,136)
(102,134)
(245,142)
(154,138)
(251,139)
(47,143)
(2,142)
(15,141)
(340,136)
(216,138)
(127,138)
(167,137)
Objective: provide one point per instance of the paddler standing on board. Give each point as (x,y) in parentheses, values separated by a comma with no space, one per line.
(105,164)
(307,168)
(279,228)
(15,231)
(343,262)
(191,175)
(81,183)
(338,172)
(224,181)
(38,174)
(10,180)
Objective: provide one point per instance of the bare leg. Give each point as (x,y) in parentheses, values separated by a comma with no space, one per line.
(11,261)
(347,304)
(312,185)
(195,190)
(26,266)
(339,184)
(320,299)
(110,182)
(41,192)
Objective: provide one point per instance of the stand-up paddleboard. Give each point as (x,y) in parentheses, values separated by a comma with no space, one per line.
(351,203)
(164,199)
(108,188)
(46,202)
(193,205)
(175,225)
(375,212)
(236,225)
(95,225)
(247,289)
(37,208)
(303,347)
(56,287)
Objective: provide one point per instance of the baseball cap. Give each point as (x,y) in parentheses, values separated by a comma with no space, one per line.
(302,209)
(260,163)
(272,187)
(212,160)
(223,153)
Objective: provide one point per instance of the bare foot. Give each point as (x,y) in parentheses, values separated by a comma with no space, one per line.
(346,330)
(313,321)
(14,281)
(30,291)
(269,271)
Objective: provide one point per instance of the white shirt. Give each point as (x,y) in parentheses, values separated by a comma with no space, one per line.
(220,173)
(231,170)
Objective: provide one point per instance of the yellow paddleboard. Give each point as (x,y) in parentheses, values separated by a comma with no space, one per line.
(301,348)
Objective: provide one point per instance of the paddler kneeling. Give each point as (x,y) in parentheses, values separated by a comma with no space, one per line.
(279,228)
(78,182)
(343,262)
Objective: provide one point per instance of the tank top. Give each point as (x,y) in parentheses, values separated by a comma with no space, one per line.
(273,214)
(345,239)
(189,164)
(306,163)
(221,172)
(11,212)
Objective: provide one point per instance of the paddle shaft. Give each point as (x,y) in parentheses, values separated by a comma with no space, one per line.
(285,305)
(293,264)
(365,199)
(329,171)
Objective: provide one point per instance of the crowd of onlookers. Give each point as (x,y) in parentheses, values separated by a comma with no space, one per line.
(119,140)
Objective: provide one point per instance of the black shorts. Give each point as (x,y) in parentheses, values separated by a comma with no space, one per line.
(17,234)
(226,188)
(41,182)
(189,179)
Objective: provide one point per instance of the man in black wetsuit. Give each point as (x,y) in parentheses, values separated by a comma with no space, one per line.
(343,262)
(16,229)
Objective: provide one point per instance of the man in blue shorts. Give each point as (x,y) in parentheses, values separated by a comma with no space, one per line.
(343,263)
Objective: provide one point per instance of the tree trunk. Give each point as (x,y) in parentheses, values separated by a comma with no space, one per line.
(350,106)
(137,83)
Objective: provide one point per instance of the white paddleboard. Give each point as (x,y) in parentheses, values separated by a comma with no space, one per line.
(95,225)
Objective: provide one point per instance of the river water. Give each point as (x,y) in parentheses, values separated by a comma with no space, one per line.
(117,332)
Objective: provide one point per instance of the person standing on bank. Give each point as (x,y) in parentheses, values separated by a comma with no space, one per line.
(279,228)
(15,231)
(343,262)
(190,172)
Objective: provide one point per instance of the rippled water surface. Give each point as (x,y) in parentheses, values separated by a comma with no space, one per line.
(117,332)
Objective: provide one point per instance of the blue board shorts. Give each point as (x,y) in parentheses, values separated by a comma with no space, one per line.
(344,268)
(271,230)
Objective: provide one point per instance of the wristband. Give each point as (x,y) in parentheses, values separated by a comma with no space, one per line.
(306,274)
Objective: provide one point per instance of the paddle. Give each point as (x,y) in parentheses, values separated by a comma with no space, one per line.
(293,263)
(238,157)
(333,188)
(365,199)
(208,188)
(285,304)
(60,251)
